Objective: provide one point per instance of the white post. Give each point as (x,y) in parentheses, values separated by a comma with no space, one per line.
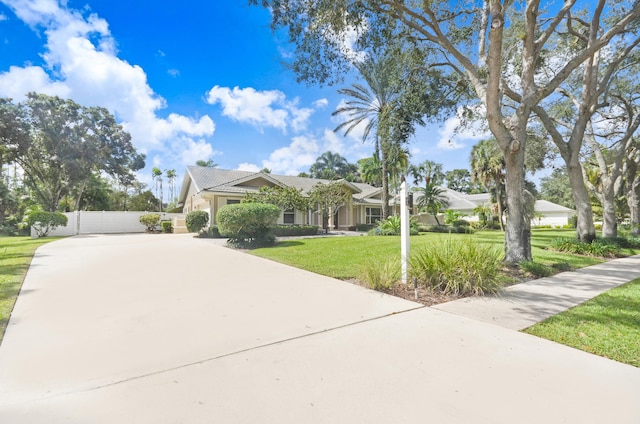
(404,230)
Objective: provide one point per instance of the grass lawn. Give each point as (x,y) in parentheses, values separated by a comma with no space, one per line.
(342,257)
(607,325)
(15,258)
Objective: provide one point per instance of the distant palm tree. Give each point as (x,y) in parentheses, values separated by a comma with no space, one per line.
(372,105)
(171,178)
(488,168)
(370,171)
(432,199)
(330,166)
(428,171)
(156,174)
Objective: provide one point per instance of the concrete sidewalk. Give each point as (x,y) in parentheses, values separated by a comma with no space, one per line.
(172,329)
(522,305)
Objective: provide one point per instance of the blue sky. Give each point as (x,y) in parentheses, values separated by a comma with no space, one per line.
(189,80)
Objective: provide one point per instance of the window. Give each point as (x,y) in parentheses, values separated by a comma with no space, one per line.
(373,215)
(232,201)
(289,216)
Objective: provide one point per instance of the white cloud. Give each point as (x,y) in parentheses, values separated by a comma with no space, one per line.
(267,108)
(320,103)
(3,17)
(173,72)
(81,63)
(289,160)
(249,167)
(17,82)
(194,150)
(251,106)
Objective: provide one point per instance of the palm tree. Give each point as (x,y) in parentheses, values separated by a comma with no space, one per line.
(432,200)
(171,177)
(330,166)
(428,171)
(156,174)
(488,168)
(370,171)
(371,105)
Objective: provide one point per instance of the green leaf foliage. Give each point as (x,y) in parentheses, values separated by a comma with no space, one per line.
(196,221)
(44,222)
(248,224)
(150,220)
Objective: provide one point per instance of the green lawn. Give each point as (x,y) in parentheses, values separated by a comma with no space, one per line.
(342,257)
(607,325)
(15,258)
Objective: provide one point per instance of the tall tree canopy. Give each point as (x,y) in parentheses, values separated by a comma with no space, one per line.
(495,47)
(60,145)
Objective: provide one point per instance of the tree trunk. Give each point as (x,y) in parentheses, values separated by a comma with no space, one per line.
(633,200)
(518,232)
(585,230)
(500,208)
(82,188)
(609,221)
(385,183)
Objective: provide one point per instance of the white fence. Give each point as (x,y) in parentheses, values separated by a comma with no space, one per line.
(105,222)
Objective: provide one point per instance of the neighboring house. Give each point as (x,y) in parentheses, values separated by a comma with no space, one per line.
(209,189)
(551,213)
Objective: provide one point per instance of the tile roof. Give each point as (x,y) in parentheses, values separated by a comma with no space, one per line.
(227,181)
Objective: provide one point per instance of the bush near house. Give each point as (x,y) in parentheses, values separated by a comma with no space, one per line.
(248,224)
(151,221)
(211,232)
(295,230)
(167,226)
(196,221)
(45,222)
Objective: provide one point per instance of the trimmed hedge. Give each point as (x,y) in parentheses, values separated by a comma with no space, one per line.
(196,221)
(248,224)
(167,226)
(295,230)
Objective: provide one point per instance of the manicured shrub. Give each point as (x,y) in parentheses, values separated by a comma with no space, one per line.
(295,230)
(167,226)
(248,224)
(380,275)
(150,220)
(459,267)
(45,222)
(461,223)
(364,227)
(211,232)
(196,221)
(447,229)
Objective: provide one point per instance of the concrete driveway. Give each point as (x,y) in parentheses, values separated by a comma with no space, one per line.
(172,329)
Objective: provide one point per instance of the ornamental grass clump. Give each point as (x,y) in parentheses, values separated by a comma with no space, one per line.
(605,248)
(380,275)
(457,267)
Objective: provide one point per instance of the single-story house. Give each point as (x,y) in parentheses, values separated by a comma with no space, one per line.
(550,213)
(208,189)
